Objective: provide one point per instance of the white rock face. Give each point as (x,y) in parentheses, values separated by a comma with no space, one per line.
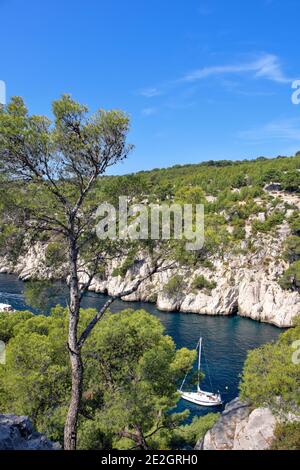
(246,281)
(264,300)
(256,433)
(31,265)
(239,428)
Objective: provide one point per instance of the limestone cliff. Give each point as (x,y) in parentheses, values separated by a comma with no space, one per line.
(240,428)
(245,279)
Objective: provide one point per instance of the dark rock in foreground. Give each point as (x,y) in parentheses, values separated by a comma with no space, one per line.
(17,433)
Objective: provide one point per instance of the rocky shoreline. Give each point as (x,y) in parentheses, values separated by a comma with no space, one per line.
(245,282)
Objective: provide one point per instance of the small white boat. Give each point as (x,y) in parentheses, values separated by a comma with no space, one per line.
(200,397)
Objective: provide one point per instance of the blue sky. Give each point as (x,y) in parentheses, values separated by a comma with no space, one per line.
(200,79)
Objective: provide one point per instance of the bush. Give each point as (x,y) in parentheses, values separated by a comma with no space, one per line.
(292,249)
(200,282)
(239,233)
(127,264)
(270,378)
(188,435)
(174,285)
(294,222)
(131,375)
(270,223)
(291,181)
(152,298)
(287,437)
(11,241)
(55,254)
(291,278)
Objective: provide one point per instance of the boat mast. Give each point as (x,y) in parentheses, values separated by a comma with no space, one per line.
(199,363)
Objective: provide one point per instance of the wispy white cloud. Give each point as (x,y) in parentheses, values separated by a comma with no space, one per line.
(267,66)
(150,92)
(2,92)
(283,130)
(149,111)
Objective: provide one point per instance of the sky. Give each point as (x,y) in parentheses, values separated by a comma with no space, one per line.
(201,80)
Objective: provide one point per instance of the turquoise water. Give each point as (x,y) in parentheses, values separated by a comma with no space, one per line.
(226,340)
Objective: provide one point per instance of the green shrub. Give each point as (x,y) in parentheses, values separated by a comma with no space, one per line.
(294,222)
(291,278)
(174,285)
(239,233)
(292,249)
(287,437)
(270,373)
(189,434)
(200,282)
(270,223)
(127,264)
(239,181)
(11,241)
(9,321)
(291,181)
(55,254)
(207,264)
(130,376)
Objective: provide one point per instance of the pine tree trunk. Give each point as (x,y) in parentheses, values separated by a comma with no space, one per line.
(141,441)
(70,431)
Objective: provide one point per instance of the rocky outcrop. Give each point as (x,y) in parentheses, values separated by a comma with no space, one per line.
(240,428)
(246,284)
(32,264)
(17,433)
(246,279)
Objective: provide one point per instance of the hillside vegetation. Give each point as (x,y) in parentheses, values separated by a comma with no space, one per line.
(251,215)
(271,378)
(132,370)
(234,187)
(239,198)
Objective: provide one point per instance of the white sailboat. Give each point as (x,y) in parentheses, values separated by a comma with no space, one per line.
(200,397)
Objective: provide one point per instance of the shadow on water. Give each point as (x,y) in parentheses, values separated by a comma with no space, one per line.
(226,340)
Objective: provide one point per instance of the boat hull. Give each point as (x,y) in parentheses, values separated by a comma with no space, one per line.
(202,398)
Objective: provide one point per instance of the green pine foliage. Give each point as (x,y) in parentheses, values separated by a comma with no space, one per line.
(174,286)
(271,377)
(132,370)
(287,436)
(231,192)
(200,282)
(291,278)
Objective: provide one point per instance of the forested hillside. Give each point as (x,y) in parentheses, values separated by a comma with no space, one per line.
(213,177)
(250,261)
